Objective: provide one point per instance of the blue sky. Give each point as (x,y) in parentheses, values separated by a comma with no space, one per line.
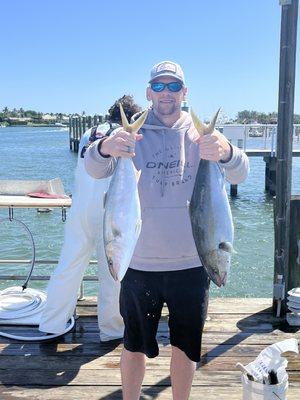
(70,56)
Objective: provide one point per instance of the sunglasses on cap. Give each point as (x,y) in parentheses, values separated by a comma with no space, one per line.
(160,86)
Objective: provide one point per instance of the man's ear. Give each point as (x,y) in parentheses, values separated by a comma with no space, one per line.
(148,94)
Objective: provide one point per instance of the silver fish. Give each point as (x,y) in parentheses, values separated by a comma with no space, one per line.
(122,210)
(210,215)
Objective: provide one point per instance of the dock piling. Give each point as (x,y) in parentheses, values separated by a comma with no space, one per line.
(78,125)
(288,39)
(234,188)
(270,175)
(293,275)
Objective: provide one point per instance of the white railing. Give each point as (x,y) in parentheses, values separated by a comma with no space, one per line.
(262,136)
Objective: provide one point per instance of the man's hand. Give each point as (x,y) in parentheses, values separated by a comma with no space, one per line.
(214,147)
(121,144)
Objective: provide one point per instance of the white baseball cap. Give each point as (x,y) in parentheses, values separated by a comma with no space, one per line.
(167,68)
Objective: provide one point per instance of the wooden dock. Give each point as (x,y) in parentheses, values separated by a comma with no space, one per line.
(78,366)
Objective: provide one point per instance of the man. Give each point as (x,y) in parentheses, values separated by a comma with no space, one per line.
(82,232)
(165,267)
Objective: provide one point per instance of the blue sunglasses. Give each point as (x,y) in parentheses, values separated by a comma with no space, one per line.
(160,86)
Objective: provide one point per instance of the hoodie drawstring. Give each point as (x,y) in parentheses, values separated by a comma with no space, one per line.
(162,191)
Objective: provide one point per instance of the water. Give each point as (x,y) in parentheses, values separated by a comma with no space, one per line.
(43,153)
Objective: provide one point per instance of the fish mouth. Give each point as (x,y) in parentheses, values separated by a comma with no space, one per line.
(224,279)
(218,279)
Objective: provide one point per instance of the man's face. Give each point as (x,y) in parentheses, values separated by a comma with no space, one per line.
(166,102)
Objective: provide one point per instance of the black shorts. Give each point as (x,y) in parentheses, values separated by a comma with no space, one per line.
(142,297)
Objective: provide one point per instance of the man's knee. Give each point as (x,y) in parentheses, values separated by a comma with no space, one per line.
(133,355)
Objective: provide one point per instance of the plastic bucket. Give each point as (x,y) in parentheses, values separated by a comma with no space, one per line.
(258,391)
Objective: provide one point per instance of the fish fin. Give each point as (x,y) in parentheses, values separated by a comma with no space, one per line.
(136,125)
(226,246)
(104,199)
(212,124)
(137,173)
(125,123)
(202,128)
(138,226)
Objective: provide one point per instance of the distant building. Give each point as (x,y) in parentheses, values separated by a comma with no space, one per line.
(18,119)
(49,118)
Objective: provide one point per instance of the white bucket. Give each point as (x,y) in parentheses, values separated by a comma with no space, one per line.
(258,391)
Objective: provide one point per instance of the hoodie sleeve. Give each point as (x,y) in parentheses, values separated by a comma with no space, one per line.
(237,168)
(97,166)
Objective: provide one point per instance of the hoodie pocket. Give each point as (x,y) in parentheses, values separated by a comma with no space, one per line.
(166,234)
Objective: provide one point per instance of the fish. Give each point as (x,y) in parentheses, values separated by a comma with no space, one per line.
(210,214)
(122,211)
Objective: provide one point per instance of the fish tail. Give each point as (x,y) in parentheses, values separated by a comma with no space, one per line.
(136,125)
(125,122)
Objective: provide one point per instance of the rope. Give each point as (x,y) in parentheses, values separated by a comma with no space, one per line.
(29,234)
(17,303)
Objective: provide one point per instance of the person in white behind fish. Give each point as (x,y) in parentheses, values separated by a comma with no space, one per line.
(165,267)
(82,232)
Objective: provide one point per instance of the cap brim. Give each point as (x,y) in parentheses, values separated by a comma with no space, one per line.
(167,74)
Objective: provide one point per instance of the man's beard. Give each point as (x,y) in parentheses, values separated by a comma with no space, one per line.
(163,110)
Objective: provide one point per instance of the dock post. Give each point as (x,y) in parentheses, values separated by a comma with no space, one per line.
(70,132)
(95,119)
(270,175)
(73,132)
(288,40)
(184,106)
(89,122)
(76,140)
(80,129)
(293,272)
(101,119)
(234,188)
(84,123)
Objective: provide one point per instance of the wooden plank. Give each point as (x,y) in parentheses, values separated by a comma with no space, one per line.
(265,313)
(70,362)
(227,305)
(113,377)
(94,350)
(256,323)
(81,336)
(114,393)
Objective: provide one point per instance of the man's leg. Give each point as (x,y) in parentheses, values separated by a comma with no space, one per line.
(187,314)
(65,281)
(182,373)
(132,373)
(141,304)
